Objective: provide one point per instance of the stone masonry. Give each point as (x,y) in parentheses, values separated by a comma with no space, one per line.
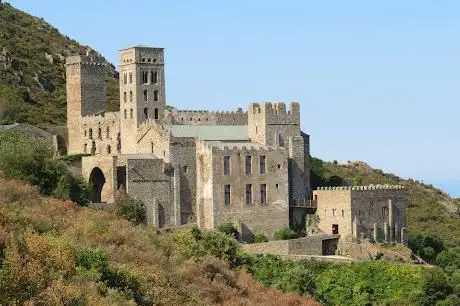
(251,168)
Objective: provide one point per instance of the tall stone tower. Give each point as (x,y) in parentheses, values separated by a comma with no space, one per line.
(142,91)
(86,94)
(273,125)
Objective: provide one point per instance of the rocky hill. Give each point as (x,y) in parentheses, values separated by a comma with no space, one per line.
(32,74)
(431,211)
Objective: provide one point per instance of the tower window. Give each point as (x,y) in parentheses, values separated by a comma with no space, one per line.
(227,165)
(146,113)
(263,193)
(99,133)
(85,133)
(85,148)
(145,77)
(154,77)
(185,168)
(130,78)
(107,132)
(156,113)
(130,96)
(151,146)
(125,78)
(145,95)
(109,150)
(248,194)
(126,114)
(280,140)
(124,97)
(155,95)
(262,164)
(90,133)
(248,164)
(131,113)
(227,194)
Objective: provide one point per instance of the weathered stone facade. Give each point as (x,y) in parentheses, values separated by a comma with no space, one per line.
(250,167)
(375,212)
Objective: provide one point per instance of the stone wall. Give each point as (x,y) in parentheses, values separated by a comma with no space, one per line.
(150,180)
(108,166)
(154,138)
(237,117)
(101,132)
(361,210)
(254,217)
(183,154)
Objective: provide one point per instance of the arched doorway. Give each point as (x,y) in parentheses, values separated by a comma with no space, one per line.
(97,179)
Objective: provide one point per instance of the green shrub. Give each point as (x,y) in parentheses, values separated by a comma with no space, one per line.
(449,260)
(426,246)
(229,229)
(259,237)
(33,160)
(296,278)
(285,234)
(130,209)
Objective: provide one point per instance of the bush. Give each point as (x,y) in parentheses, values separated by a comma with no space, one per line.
(426,246)
(33,160)
(298,279)
(259,237)
(130,209)
(229,229)
(285,234)
(449,260)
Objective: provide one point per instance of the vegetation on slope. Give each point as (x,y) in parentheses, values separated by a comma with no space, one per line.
(431,211)
(32,73)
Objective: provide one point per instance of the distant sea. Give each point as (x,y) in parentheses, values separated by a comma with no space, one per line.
(452,187)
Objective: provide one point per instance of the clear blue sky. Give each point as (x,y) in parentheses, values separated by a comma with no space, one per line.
(378,82)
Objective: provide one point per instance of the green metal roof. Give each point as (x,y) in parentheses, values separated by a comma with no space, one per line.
(212,132)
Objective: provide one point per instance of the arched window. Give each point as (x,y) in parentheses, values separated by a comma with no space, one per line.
(99,133)
(146,113)
(131,113)
(145,77)
(151,146)
(154,77)
(126,114)
(107,132)
(155,95)
(145,95)
(90,133)
(85,148)
(125,78)
(156,113)
(124,97)
(130,96)
(109,150)
(280,140)
(130,78)
(85,133)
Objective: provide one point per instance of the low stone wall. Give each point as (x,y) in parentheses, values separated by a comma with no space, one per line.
(313,245)
(279,247)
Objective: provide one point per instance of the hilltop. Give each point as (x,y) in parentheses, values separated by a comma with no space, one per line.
(32,74)
(431,210)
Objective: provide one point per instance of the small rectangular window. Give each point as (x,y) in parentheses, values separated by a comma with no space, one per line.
(248,164)
(262,164)
(263,193)
(156,113)
(226,165)
(227,194)
(248,194)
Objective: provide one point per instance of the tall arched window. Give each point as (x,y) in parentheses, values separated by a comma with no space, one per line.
(90,133)
(130,96)
(126,114)
(124,97)
(154,77)
(151,146)
(125,78)
(280,140)
(146,113)
(109,150)
(130,78)
(99,133)
(155,95)
(145,77)
(131,113)
(107,133)
(145,95)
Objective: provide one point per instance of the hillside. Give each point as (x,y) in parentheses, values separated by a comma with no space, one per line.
(32,74)
(431,211)
(54,252)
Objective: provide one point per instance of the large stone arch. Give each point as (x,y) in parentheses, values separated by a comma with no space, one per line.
(97,180)
(101,171)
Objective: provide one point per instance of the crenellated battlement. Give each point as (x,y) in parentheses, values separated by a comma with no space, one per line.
(276,113)
(363,188)
(86,60)
(203,117)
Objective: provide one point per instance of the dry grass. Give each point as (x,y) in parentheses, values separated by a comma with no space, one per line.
(37,235)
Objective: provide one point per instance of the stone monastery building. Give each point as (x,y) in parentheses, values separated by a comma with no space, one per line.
(248,167)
